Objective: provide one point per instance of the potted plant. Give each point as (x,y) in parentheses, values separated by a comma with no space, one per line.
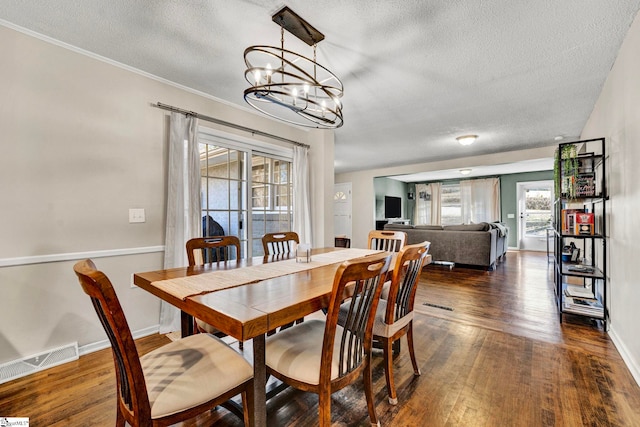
(565,159)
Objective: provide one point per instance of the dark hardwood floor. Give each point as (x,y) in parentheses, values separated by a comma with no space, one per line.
(491,349)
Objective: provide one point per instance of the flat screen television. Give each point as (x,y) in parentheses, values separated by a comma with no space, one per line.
(392,207)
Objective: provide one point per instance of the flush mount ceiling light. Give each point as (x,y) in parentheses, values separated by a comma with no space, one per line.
(467,139)
(465,171)
(289,86)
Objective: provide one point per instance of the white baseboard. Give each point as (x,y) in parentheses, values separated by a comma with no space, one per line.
(100,345)
(632,364)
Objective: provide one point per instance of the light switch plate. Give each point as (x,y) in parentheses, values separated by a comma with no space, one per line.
(511,216)
(136,215)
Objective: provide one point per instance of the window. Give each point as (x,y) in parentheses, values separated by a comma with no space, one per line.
(461,202)
(222,181)
(451,207)
(260,196)
(271,197)
(284,187)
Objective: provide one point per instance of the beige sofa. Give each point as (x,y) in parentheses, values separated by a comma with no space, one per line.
(481,244)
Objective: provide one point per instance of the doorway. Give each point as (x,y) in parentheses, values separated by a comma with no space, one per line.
(535,208)
(342,209)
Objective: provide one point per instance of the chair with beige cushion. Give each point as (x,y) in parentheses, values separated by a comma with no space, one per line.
(172,383)
(394,317)
(390,241)
(321,357)
(279,243)
(202,250)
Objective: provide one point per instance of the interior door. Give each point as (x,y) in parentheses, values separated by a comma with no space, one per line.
(535,207)
(342,209)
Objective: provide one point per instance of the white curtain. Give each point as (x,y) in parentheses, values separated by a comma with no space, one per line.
(183,203)
(422,210)
(301,191)
(436,214)
(480,200)
(427,209)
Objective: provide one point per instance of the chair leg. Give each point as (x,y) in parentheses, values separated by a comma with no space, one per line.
(414,362)
(247,404)
(368,392)
(324,408)
(396,347)
(387,351)
(120,421)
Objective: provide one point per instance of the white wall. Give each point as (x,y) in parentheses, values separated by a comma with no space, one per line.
(616,116)
(80,145)
(363,190)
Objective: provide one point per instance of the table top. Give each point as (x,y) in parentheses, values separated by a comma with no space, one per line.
(247,311)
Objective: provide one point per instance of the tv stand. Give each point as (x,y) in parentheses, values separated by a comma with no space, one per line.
(380,223)
(398,221)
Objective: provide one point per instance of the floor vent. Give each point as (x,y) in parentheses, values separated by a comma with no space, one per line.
(31,364)
(438,306)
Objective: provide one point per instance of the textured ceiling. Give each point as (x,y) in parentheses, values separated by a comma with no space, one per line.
(416,73)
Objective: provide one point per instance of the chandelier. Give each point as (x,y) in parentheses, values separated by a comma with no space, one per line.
(289,86)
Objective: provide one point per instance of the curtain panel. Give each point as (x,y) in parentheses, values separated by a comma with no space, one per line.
(183,203)
(427,208)
(301,194)
(480,200)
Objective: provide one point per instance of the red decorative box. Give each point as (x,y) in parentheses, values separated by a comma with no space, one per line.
(584,223)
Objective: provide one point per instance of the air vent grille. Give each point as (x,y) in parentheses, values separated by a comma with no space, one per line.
(38,362)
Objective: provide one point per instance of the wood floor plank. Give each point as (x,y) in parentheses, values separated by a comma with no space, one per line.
(498,357)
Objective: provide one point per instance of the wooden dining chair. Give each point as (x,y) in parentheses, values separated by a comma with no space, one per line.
(279,243)
(322,357)
(342,242)
(174,382)
(394,316)
(387,240)
(205,250)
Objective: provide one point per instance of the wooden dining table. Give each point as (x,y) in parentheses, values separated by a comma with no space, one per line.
(248,311)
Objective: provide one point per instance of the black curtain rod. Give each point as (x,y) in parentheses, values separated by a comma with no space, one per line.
(227,124)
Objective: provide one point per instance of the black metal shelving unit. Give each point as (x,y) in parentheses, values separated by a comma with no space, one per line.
(580,226)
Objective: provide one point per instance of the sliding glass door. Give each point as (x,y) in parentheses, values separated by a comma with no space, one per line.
(246,192)
(271,198)
(223,192)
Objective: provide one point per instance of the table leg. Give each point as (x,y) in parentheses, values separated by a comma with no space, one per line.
(186,324)
(259,416)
